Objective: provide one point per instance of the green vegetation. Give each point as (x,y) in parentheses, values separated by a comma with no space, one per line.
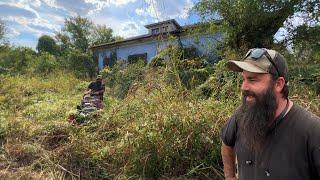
(160,120)
(156,129)
(2,30)
(80,33)
(47,44)
(248,23)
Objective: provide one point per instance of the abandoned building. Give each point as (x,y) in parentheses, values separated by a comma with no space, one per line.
(147,46)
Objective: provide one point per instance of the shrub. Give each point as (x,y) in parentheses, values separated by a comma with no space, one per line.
(193,72)
(183,66)
(157,62)
(223,84)
(45,64)
(17,59)
(306,73)
(81,63)
(120,80)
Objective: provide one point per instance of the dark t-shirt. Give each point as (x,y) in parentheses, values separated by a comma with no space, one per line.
(96,86)
(292,151)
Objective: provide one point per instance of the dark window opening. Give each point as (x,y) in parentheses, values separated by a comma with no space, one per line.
(165,28)
(155,31)
(110,61)
(106,62)
(137,57)
(190,52)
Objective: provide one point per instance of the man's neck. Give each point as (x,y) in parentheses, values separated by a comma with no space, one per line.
(282,104)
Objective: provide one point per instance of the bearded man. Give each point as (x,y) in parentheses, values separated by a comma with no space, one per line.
(269,135)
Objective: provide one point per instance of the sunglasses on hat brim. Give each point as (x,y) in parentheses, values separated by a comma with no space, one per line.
(257,53)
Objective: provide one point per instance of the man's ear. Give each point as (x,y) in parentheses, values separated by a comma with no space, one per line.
(280,82)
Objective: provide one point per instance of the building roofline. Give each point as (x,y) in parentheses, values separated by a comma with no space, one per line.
(162,22)
(145,36)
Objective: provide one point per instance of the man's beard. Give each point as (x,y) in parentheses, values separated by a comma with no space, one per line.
(255,118)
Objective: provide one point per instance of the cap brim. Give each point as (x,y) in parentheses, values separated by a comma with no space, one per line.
(239,66)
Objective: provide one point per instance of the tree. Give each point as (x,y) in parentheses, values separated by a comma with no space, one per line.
(117,38)
(80,33)
(77,31)
(248,23)
(47,44)
(306,44)
(81,63)
(101,34)
(2,30)
(63,42)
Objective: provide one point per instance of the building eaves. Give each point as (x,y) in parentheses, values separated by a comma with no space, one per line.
(131,39)
(163,22)
(181,30)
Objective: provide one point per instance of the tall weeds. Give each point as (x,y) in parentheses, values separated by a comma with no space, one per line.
(150,128)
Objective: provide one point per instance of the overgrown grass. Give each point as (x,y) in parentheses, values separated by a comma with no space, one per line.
(155,130)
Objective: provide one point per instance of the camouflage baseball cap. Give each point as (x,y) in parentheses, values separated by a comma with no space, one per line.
(261,60)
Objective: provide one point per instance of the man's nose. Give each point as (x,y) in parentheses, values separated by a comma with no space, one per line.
(244,86)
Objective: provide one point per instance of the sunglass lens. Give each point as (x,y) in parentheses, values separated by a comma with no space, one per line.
(257,53)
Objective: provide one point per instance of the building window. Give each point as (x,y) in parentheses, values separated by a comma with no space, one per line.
(155,31)
(165,29)
(106,62)
(136,57)
(110,61)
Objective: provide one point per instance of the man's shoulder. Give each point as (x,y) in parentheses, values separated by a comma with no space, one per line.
(93,82)
(304,113)
(229,130)
(235,115)
(305,118)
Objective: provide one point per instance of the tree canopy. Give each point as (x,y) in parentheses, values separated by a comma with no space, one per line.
(78,30)
(101,34)
(248,23)
(306,42)
(2,30)
(47,44)
(80,33)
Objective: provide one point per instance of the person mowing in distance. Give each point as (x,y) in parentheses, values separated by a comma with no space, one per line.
(270,136)
(96,88)
(92,101)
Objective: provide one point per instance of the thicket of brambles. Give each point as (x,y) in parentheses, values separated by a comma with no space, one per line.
(161,120)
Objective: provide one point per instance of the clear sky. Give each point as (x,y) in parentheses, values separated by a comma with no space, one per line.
(27,20)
